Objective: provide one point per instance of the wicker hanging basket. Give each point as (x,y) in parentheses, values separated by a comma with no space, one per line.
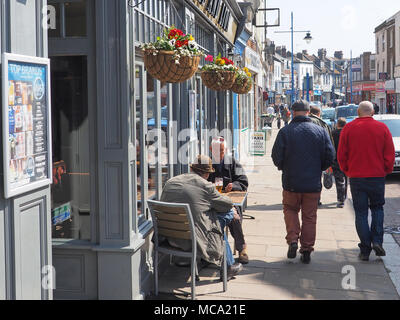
(218,80)
(162,66)
(242,88)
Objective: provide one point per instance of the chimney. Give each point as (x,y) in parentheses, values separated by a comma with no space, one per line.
(284,53)
(322,54)
(299,56)
(305,52)
(279,50)
(338,55)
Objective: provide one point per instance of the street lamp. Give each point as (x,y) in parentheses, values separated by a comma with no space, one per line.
(308,39)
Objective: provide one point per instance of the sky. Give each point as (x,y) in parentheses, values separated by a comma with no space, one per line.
(337,25)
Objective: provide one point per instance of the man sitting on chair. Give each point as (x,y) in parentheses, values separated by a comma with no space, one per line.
(211,213)
(234,179)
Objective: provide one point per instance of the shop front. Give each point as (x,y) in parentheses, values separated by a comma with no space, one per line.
(118,135)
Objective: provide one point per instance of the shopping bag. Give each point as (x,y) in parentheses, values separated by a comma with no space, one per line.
(328,178)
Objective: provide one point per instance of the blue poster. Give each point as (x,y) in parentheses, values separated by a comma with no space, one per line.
(27,122)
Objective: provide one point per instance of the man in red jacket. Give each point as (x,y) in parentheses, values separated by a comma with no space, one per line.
(366,155)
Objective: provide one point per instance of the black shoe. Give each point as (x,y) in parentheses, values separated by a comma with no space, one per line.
(292,252)
(363,256)
(232,271)
(306,257)
(379,251)
(340,205)
(319,204)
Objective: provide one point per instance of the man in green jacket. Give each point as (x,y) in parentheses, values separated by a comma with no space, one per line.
(315,116)
(211,213)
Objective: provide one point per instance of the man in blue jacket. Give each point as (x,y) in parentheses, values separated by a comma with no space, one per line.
(302,151)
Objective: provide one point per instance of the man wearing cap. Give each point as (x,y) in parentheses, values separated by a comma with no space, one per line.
(302,151)
(211,213)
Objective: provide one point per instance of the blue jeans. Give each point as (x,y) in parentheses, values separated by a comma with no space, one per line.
(224,220)
(368,193)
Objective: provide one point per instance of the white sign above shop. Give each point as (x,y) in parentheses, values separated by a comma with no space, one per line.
(253,61)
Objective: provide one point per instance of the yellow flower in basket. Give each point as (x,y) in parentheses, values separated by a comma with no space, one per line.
(248,74)
(246,70)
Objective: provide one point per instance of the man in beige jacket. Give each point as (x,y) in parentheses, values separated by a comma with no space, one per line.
(211,213)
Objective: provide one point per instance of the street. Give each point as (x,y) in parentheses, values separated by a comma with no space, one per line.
(271,276)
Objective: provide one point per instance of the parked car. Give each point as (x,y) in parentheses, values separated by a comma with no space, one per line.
(393,123)
(328,115)
(349,112)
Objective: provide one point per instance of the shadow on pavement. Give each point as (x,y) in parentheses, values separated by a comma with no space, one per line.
(283,279)
(274,207)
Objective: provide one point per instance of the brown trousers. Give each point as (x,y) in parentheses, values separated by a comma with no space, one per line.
(308,204)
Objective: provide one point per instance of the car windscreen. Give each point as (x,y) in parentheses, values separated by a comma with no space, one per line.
(328,114)
(347,112)
(393,125)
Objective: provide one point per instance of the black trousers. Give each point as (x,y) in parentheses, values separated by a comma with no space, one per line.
(235,227)
(341,182)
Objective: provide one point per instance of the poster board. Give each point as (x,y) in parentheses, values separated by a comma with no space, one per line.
(26,124)
(258,145)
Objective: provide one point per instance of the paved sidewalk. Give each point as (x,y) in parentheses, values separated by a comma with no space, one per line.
(270,275)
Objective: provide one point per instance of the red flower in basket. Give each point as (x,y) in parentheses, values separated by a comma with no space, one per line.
(175,33)
(227,61)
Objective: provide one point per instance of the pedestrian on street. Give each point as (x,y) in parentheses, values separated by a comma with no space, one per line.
(302,151)
(376,108)
(315,116)
(286,116)
(366,155)
(341,180)
(279,120)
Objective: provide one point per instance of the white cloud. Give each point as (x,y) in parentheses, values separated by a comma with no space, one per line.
(349,18)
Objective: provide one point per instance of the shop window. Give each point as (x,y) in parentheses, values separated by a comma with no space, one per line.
(70,191)
(75,19)
(70,19)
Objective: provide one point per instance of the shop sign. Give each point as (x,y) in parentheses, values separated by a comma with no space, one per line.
(398,85)
(218,12)
(258,143)
(26,124)
(389,85)
(357,88)
(356,68)
(369,86)
(253,60)
(380,87)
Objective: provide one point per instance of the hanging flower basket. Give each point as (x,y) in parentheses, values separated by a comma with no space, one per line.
(243,82)
(218,80)
(220,74)
(173,58)
(162,66)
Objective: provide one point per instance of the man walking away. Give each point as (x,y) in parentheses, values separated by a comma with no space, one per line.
(315,116)
(302,151)
(366,155)
(340,177)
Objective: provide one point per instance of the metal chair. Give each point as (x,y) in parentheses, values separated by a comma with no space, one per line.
(175,220)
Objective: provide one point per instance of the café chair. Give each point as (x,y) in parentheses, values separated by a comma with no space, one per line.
(175,220)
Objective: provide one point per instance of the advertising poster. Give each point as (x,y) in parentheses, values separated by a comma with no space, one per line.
(257,143)
(26,123)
